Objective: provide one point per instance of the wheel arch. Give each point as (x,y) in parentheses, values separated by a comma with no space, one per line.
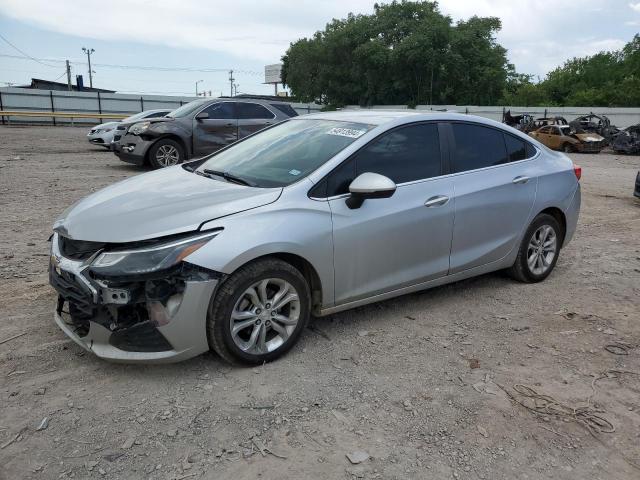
(304,266)
(170,136)
(560,217)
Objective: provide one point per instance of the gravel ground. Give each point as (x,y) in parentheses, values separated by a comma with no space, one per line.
(418,383)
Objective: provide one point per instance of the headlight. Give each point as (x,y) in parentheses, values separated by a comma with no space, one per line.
(148,260)
(138,128)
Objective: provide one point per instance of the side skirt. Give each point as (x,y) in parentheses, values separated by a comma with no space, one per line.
(473,272)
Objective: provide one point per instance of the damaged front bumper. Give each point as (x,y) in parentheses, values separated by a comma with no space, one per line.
(133,149)
(153,320)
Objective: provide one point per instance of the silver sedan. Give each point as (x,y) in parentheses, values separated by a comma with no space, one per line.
(103,134)
(235,251)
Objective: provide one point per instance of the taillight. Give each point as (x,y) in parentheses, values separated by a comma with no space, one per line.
(578,171)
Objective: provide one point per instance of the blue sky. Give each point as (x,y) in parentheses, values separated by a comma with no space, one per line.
(246,35)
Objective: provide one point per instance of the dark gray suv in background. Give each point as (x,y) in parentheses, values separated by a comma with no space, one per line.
(197,129)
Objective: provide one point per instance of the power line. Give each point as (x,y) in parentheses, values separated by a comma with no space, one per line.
(140,67)
(25,53)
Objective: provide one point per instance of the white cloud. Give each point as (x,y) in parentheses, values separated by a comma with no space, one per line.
(538,37)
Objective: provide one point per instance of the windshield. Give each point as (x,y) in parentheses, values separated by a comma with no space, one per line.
(187,108)
(286,152)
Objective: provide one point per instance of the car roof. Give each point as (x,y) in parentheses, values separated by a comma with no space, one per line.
(382,117)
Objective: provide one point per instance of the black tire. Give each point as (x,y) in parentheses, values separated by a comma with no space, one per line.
(567,148)
(164,143)
(230,291)
(520,269)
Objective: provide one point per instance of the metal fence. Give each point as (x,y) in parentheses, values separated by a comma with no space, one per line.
(620,117)
(13,99)
(118,103)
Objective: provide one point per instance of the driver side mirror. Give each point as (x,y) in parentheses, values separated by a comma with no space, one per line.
(369,185)
(202,116)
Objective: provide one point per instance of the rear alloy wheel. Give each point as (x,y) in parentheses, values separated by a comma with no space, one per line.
(539,250)
(165,153)
(259,312)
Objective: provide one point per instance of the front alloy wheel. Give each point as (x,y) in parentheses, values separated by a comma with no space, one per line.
(265,316)
(259,312)
(167,156)
(165,153)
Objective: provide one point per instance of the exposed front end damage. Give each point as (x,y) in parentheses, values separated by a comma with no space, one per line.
(628,141)
(589,142)
(158,317)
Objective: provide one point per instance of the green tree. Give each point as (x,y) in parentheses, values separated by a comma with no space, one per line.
(404,53)
(606,79)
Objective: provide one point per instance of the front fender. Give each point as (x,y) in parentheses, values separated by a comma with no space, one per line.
(305,231)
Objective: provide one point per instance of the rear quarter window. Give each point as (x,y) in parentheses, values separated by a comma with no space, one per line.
(285,108)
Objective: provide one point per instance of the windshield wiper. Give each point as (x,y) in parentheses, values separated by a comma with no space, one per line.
(229,177)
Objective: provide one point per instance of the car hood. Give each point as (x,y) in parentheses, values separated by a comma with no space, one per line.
(106,125)
(155,120)
(155,204)
(589,137)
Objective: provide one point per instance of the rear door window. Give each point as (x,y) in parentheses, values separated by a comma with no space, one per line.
(253,111)
(476,147)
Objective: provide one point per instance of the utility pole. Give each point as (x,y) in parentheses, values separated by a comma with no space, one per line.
(89,51)
(231,80)
(235,88)
(431,90)
(68,76)
(197,82)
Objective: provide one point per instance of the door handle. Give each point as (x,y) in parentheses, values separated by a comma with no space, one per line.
(520,179)
(229,125)
(436,201)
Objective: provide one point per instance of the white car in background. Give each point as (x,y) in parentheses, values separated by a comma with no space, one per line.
(103,134)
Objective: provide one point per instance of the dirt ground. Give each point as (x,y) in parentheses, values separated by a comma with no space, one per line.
(418,382)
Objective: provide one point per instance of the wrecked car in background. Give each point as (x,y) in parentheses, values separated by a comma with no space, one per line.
(105,133)
(523,122)
(628,140)
(564,138)
(528,123)
(599,124)
(196,129)
(544,121)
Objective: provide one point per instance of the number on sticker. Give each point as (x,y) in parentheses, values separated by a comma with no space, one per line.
(346,132)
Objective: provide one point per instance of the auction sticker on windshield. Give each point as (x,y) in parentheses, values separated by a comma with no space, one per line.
(346,132)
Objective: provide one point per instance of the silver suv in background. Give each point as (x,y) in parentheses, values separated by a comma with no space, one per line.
(197,129)
(315,215)
(105,133)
